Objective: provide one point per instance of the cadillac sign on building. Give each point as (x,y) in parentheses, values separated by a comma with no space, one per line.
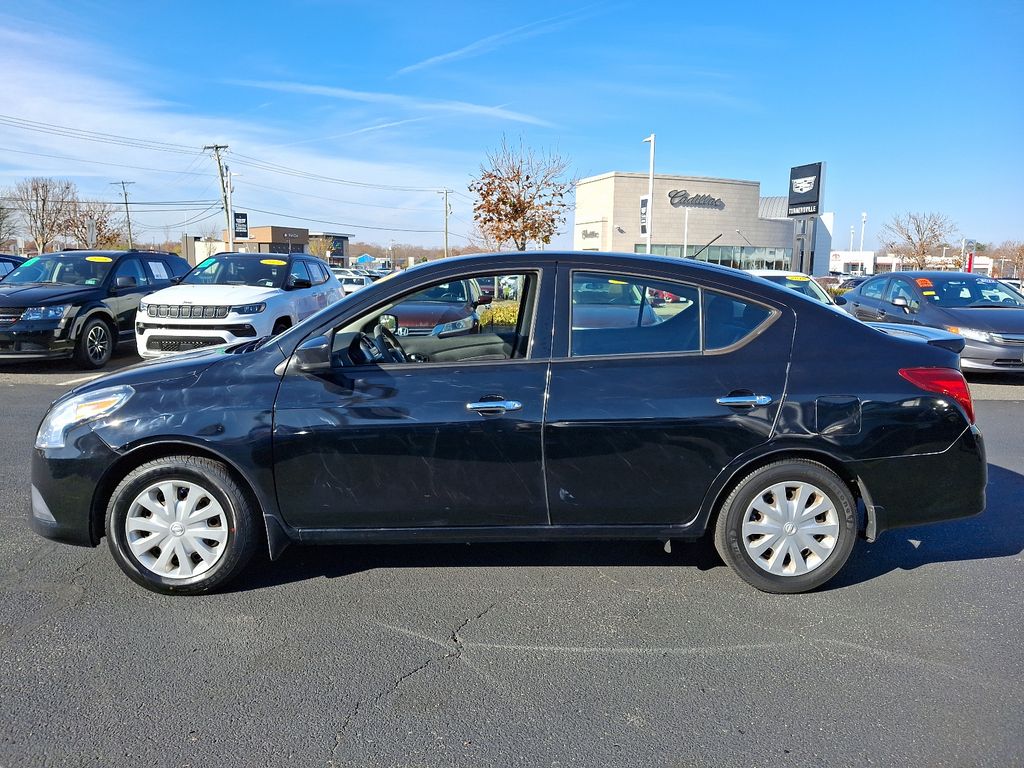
(805,189)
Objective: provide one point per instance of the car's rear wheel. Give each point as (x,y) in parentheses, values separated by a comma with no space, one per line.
(787,527)
(181,525)
(95,344)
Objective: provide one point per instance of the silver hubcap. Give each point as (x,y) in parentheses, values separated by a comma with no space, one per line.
(176,529)
(790,528)
(96,342)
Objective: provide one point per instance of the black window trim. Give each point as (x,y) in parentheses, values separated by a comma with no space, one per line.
(567,356)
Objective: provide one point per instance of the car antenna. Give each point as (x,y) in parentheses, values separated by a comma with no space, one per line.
(698,253)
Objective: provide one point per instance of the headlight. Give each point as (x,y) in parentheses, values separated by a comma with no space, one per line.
(249,309)
(46,313)
(78,410)
(970,333)
(453,327)
(143,307)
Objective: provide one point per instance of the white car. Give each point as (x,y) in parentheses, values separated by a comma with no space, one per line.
(797,281)
(234,297)
(351,284)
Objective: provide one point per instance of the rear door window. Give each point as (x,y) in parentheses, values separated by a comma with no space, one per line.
(873,289)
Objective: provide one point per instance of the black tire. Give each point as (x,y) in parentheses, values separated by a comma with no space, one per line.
(281,326)
(95,344)
(733,548)
(237,515)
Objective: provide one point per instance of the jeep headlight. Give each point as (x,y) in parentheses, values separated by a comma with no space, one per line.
(78,410)
(46,313)
(970,333)
(249,309)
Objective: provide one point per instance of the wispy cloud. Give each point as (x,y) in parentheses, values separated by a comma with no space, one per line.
(493,42)
(410,103)
(356,132)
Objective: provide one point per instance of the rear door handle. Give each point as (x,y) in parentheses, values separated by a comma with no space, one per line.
(744,401)
(494,407)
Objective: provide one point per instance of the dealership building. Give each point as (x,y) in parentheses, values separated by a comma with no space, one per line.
(687,213)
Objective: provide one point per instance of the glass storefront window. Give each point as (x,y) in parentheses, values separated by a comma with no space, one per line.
(738,257)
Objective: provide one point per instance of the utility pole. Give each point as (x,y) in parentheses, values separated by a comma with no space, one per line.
(231,210)
(447,210)
(225,194)
(127,213)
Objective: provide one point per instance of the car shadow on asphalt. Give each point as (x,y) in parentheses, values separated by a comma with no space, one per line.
(997,532)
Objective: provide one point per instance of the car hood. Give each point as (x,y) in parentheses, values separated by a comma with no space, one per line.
(212,294)
(185,367)
(995,319)
(37,294)
(427,314)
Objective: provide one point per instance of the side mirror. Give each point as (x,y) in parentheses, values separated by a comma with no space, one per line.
(313,355)
(484,299)
(176,279)
(839,300)
(126,281)
(298,283)
(389,321)
(902,303)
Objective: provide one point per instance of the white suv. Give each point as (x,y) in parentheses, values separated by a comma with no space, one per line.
(234,297)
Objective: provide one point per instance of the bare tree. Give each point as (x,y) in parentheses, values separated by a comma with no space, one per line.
(107,229)
(521,196)
(8,218)
(914,237)
(44,205)
(1011,251)
(320,246)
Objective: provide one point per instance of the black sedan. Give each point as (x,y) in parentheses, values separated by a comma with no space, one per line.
(988,314)
(744,409)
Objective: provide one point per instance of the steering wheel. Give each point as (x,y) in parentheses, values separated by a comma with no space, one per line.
(388,345)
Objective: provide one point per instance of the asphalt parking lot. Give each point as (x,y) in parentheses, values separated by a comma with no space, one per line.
(595,654)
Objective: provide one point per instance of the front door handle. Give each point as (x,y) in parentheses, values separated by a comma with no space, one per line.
(744,401)
(494,407)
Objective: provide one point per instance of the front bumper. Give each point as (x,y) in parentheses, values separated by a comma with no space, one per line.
(998,358)
(64,483)
(36,341)
(914,490)
(161,339)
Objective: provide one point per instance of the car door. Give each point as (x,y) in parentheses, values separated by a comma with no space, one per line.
(639,420)
(439,442)
(866,300)
(900,288)
(128,284)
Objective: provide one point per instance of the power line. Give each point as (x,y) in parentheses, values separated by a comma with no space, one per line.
(338,223)
(264,165)
(96,136)
(100,162)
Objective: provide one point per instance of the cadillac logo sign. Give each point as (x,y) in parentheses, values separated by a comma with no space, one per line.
(803,185)
(805,189)
(680,198)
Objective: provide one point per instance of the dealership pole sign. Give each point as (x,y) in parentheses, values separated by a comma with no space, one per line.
(805,183)
(242,225)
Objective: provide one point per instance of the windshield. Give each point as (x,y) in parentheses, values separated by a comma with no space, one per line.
(264,272)
(63,270)
(961,291)
(456,292)
(800,284)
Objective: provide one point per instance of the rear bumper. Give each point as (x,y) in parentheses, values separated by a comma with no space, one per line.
(905,491)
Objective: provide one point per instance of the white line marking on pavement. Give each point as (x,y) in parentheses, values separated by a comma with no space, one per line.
(82,380)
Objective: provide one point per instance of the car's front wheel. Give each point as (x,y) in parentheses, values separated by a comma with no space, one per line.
(787,527)
(181,525)
(95,344)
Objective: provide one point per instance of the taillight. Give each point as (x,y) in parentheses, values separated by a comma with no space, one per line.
(944,381)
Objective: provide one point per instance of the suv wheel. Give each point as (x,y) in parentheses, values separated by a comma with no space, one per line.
(95,344)
(787,527)
(181,525)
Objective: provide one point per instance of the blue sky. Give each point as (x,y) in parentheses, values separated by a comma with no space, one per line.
(914,106)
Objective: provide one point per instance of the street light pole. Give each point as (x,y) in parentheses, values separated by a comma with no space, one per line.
(851,237)
(863,223)
(650,195)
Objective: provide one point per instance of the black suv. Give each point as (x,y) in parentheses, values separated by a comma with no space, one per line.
(79,304)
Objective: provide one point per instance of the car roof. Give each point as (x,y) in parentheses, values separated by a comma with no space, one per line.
(775,273)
